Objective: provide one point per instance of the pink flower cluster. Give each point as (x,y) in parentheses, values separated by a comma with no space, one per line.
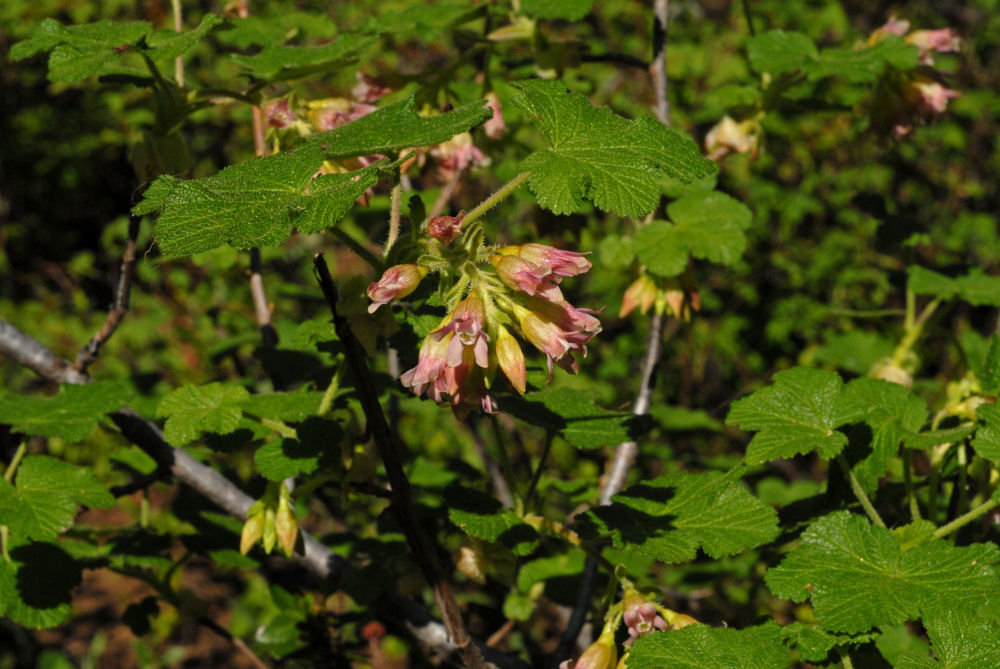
(641,618)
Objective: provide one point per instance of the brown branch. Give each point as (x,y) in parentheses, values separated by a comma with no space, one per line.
(88,353)
(402,500)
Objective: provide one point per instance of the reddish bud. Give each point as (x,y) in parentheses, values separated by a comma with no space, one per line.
(396,282)
(280,115)
(445,228)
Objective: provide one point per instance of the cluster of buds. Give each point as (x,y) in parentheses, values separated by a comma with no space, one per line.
(271,520)
(905,99)
(675,295)
(496,292)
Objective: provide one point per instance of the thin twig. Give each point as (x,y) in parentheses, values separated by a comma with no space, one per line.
(402,501)
(240,645)
(88,353)
(658,70)
(262,310)
(178,26)
(499,481)
(964,519)
(394,198)
(317,558)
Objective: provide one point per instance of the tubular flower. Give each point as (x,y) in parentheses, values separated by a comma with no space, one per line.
(601,654)
(641,617)
(525,276)
(942,40)
(397,281)
(556,329)
(640,295)
(495,126)
(556,261)
(928,95)
(511,359)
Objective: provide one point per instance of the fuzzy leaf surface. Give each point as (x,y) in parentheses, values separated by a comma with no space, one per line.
(959,640)
(700,646)
(987,439)
(192,410)
(71,415)
(858,576)
(46,495)
(708,226)
(797,413)
(599,156)
(574,415)
(668,518)
(83,50)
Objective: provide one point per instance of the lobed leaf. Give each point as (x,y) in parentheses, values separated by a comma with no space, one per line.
(84,50)
(36,584)
(599,156)
(71,415)
(976,287)
(281,62)
(865,64)
(192,410)
(959,640)
(858,576)
(700,646)
(987,439)
(479,515)
(777,51)
(46,495)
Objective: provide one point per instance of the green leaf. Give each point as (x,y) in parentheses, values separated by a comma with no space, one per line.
(573,414)
(989,377)
(36,585)
(46,495)
(479,515)
(571,10)
(987,439)
(81,51)
(891,411)
(855,351)
(291,406)
(797,413)
(777,51)
(959,640)
(165,45)
(975,288)
(701,646)
(863,65)
(71,415)
(599,156)
(670,517)
(930,438)
(276,28)
(192,410)
(395,127)
(705,225)
(424,21)
(814,643)
(859,576)
(281,63)
(318,444)
(556,566)
(680,418)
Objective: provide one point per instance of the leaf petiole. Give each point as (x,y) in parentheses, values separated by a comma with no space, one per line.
(494,200)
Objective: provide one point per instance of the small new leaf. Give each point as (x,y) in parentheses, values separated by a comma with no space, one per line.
(599,156)
(192,410)
(71,415)
(700,646)
(858,576)
(281,63)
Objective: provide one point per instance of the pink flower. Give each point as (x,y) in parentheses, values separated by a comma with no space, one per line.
(445,228)
(511,359)
(467,321)
(896,26)
(557,329)
(367,89)
(280,115)
(430,370)
(563,263)
(641,294)
(494,127)
(334,112)
(641,617)
(532,279)
(941,40)
(928,95)
(396,282)
(457,154)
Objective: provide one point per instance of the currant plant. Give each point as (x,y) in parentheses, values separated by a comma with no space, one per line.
(356,247)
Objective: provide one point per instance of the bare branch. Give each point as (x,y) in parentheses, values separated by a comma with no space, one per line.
(269,335)
(88,353)
(402,500)
(30,353)
(658,70)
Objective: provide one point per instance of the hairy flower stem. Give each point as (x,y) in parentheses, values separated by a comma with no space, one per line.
(964,519)
(397,190)
(859,492)
(494,200)
(175,5)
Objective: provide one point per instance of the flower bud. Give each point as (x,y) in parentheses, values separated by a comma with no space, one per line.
(285,524)
(397,281)
(280,115)
(601,654)
(683,620)
(928,95)
(445,228)
(253,530)
(511,359)
(641,294)
(495,126)
(270,537)
(470,562)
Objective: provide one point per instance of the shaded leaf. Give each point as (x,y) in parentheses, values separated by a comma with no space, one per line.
(479,515)
(777,51)
(571,10)
(281,62)
(865,64)
(976,287)
(987,439)
(36,585)
(599,156)
(72,414)
(84,50)
(701,646)
(575,417)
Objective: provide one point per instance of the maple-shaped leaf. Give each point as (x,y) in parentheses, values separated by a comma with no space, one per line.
(72,414)
(864,64)
(701,646)
(314,446)
(36,584)
(573,414)
(891,411)
(777,51)
(191,410)
(859,576)
(976,287)
(295,405)
(669,517)
(281,62)
(814,643)
(702,225)
(959,640)
(798,413)
(46,496)
(165,45)
(257,203)
(479,515)
(599,156)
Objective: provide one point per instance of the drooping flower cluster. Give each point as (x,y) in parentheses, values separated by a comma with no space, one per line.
(514,289)
(919,95)
(641,617)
